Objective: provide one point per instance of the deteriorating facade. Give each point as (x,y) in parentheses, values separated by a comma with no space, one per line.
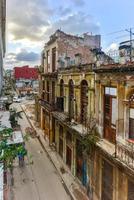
(114,110)
(60,52)
(75,104)
(74,89)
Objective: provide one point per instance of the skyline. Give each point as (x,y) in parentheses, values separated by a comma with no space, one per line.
(30,23)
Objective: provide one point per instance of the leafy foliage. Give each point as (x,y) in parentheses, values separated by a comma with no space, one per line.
(89,140)
(9,152)
(14,116)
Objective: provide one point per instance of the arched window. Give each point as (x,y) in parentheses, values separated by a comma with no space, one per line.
(131,117)
(84,101)
(71,99)
(61,88)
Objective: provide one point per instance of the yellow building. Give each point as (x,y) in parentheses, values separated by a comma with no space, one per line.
(74,107)
(114,109)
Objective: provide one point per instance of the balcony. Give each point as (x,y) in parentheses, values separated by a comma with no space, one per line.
(49,106)
(125,152)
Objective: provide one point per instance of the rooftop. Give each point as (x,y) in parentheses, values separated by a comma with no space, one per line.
(115,68)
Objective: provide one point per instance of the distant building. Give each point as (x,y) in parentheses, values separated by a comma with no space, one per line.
(26,79)
(2,38)
(126,51)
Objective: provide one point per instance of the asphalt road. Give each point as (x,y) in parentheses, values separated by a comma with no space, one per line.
(38,179)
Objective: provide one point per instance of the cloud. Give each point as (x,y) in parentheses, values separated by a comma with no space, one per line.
(22,57)
(112,47)
(78,2)
(30,24)
(27,18)
(36,20)
(64,11)
(77,23)
(27,56)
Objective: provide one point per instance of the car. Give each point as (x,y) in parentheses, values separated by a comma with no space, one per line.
(17,99)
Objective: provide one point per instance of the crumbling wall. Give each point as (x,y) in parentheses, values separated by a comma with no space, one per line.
(69,46)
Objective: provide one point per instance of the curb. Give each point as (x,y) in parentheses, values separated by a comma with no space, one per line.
(44,148)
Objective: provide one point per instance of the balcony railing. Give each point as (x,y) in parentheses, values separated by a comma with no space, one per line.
(47,105)
(125,153)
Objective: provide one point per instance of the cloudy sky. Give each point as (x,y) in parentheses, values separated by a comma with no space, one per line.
(31,22)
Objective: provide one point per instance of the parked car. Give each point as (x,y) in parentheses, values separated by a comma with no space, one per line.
(17,99)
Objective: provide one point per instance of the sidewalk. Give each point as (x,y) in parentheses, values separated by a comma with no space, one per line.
(71,185)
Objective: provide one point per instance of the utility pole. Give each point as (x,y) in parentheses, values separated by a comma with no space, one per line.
(131,33)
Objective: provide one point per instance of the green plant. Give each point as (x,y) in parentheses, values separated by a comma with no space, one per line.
(89,140)
(8,152)
(14,116)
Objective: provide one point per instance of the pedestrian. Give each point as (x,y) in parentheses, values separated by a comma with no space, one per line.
(21,160)
(21,154)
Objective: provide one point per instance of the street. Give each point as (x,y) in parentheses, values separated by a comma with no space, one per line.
(38,179)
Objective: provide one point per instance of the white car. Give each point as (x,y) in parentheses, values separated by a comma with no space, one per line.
(17,99)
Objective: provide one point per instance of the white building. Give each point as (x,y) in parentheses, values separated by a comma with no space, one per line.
(2,37)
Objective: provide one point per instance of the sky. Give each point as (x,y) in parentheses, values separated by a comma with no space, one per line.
(31,22)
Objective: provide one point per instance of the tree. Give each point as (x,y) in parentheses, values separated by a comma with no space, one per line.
(8,152)
(14,116)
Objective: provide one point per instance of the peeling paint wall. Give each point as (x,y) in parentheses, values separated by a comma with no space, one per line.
(70,50)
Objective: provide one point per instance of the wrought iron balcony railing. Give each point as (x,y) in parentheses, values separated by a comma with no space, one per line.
(49,106)
(125,153)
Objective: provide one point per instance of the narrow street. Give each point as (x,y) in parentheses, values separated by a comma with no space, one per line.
(38,179)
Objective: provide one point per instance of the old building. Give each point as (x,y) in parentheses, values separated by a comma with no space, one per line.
(75,105)
(66,98)
(61,51)
(126,51)
(2,38)
(113,176)
(26,79)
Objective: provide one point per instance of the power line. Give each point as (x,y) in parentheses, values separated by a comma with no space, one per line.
(115,32)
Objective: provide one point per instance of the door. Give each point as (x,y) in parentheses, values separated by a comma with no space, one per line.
(68,157)
(107,116)
(61,147)
(53,59)
(107,181)
(110,116)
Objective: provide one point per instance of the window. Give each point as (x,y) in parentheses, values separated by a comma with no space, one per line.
(53,59)
(131,123)
(68,137)
(110,113)
(84,101)
(53,92)
(48,59)
(114,111)
(61,88)
(111,91)
(71,99)
(61,131)
(48,96)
